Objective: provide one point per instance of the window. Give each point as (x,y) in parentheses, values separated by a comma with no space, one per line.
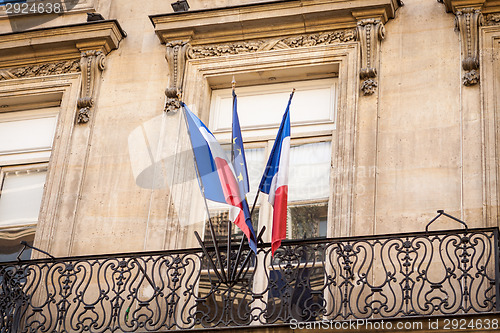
(260,110)
(25,148)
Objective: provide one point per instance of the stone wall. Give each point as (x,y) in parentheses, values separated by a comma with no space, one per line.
(422,139)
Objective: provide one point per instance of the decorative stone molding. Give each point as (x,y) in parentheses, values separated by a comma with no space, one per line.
(92,64)
(264,20)
(490,103)
(369,33)
(486,6)
(324,38)
(274,25)
(467,22)
(493,19)
(62,49)
(61,43)
(53,68)
(176,56)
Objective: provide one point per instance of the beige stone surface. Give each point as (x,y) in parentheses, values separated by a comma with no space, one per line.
(419,148)
(422,142)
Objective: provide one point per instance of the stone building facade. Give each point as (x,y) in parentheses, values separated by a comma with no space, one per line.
(406,96)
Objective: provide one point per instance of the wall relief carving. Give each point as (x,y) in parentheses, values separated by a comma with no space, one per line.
(178,52)
(325,38)
(55,68)
(493,19)
(92,64)
(467,22)
(369,33)
(176,55)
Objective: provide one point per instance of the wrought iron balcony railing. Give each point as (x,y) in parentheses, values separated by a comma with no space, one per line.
(389,276)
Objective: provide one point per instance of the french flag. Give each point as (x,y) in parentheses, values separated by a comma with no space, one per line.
(216,173)
(275,179)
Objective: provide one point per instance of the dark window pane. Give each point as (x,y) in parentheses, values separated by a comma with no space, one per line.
(220,222)
(9,248)
(307,221)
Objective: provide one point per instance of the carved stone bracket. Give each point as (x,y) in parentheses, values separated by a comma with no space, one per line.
(176,56)
(467,22)
(369,33)
(92,63)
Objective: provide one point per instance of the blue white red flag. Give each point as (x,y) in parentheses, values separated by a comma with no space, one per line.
(216,173)
(275,179)
(240,168)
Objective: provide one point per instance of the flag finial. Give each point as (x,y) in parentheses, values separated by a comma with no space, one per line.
(233,83)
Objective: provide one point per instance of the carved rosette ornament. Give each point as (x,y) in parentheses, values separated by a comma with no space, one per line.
(92,63)
(467,22)
(369,32)
(176,56)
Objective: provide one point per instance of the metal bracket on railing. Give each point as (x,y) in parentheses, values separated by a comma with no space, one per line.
(32,247)
(441,212)
(229,274)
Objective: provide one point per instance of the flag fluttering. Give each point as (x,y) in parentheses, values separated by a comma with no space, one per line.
(240,168)
(275,179)
(215,171)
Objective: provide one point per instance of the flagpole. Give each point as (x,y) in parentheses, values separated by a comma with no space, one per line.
(272,152)
(238,257)
(249,254)
(211,227)
(261,230)
(254,202)
(229,223)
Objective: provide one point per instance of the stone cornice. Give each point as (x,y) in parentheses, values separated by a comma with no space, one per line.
(486,6)
(58,43)
(267,20)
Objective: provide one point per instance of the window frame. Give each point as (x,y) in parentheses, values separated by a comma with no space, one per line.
(205,72)
(25,160)
(40,92)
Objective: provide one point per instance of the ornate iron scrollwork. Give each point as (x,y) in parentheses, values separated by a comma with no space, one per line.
(387,276)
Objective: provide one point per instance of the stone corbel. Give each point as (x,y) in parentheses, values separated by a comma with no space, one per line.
(369,32)
(92,63)
(467,22)
(176,55)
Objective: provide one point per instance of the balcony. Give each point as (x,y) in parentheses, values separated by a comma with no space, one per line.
(450,273)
